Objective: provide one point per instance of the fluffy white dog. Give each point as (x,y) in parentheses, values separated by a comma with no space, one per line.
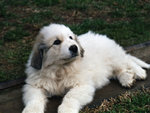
(62,63)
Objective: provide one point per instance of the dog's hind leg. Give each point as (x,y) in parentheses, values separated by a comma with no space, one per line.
(130,70)
(126,77)
(139,72)
(138,65)
(139,62)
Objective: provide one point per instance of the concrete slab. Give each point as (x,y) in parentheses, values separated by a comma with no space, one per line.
(11,98)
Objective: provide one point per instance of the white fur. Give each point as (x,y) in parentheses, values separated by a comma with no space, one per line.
(103,59)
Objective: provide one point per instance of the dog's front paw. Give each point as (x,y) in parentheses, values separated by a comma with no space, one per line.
(32,110)
(66,109)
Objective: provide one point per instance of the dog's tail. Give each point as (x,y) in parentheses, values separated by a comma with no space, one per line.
(140,62)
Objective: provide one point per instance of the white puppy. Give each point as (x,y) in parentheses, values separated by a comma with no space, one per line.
(62,63)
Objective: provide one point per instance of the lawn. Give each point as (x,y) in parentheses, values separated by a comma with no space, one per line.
(135,102)
(125,21)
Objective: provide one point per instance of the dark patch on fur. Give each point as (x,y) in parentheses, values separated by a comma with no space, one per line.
(37,57)
(81,49)
(82,52)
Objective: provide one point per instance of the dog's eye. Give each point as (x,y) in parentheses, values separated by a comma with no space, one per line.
(57,42)
(71,37)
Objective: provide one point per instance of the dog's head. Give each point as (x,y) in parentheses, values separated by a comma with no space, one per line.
(55,45)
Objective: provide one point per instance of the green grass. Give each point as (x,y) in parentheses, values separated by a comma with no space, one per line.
(15,34)
(77,4)
(13,60)
(127,22)
(37,17)
(136,103)
(126,35)
(129,102)
(45,3)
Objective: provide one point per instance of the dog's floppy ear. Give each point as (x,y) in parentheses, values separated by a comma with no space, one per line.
(37,57)
(82,51)
(81,48)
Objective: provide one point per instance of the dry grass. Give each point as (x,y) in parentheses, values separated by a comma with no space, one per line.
(122,102)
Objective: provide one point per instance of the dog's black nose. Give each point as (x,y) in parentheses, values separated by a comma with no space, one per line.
(73,49)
